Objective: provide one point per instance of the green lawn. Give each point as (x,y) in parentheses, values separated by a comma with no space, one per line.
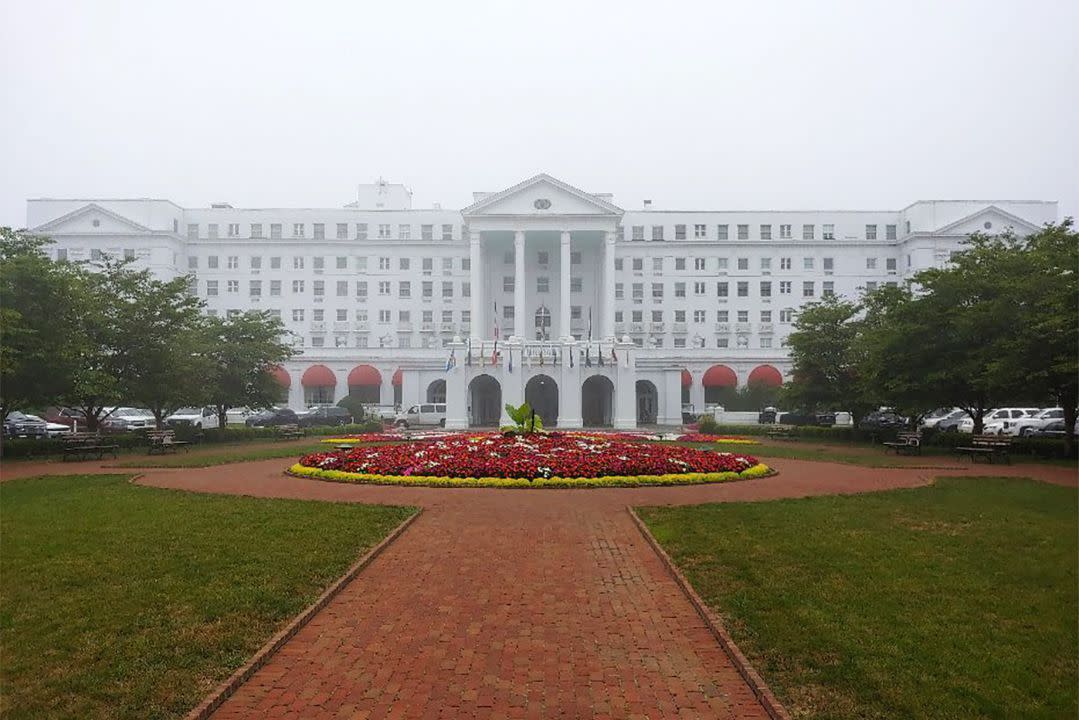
(208,455)
(120,601)
(957,600)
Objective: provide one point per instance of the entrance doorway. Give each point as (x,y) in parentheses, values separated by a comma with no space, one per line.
(485,401)
(647,403)
(541,393)
(597,402)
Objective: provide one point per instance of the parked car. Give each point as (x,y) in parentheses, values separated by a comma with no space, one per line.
(325,415)
(767,416)
(52,429)
(425,414)
(950,422)
(238,416)
(65,416)
(882,420)
(1026,426)
(128,419)
(200,418)
(934,418)
(385,413)
(1053,429)
(272,417)
(1005,416)
(802,417)
(18,424)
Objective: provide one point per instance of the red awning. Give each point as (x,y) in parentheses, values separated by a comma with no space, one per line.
(687,379)
(719,376)
(765,375)
(281,376)
(397,377)
(364,375)
(318,376)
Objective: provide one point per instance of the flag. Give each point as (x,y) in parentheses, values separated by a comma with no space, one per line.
(588,355)
(572,352)
(494,353)
(468,355)
(496,320)
(527,358)
(483,355)
(590,323)
(599,348)
(614,357)
(510,366)
(541,357)
(451,361)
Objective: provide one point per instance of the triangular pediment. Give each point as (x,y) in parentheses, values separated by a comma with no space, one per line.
(91,218)
(542,195)
(990,220)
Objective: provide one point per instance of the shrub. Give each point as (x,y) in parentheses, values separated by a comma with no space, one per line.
(707,425)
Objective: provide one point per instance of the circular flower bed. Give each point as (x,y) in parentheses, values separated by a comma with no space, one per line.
(401,436)
(534,460)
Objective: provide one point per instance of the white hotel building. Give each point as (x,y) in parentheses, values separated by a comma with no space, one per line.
(603,316)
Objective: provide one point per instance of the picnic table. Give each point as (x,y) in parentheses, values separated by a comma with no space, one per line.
(85,445)
(164,441)
(905,443)
(990,447)
(781,432)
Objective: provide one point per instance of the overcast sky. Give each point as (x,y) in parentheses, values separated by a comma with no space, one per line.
(709,105)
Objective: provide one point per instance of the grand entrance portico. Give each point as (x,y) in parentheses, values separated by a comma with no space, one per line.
(541,263)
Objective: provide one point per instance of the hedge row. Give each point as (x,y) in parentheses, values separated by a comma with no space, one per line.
(30,447)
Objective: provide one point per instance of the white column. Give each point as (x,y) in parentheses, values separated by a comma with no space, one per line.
(476,273)
(519,313)
(625,388)
(566,268)
(670,398)
(295,390)
(607,301)
(457,380)
(569,389)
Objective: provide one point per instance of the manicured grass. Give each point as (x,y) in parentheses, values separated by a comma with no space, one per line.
(957,600)
(208,455)
(120,601)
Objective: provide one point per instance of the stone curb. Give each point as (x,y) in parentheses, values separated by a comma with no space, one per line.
(224,691)
(764,694)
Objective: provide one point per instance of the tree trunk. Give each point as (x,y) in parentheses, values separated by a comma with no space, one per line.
(222,417)
(1069,426)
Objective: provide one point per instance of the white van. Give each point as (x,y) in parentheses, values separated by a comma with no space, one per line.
(425,414)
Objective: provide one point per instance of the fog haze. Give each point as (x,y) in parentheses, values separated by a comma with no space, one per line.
(825,105)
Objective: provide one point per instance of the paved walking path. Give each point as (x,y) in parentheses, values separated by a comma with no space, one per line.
(514,603)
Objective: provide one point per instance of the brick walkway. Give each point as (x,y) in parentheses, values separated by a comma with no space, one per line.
(514,604)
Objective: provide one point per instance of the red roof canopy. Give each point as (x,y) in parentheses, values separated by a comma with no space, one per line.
(364,375)
(687,379)
(281,376)
(766,375)
(397,377)
(719,376)
(318,376)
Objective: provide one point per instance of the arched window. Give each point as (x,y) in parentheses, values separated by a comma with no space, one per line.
(543,323)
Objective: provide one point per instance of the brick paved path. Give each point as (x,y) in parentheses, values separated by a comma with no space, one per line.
(514,604)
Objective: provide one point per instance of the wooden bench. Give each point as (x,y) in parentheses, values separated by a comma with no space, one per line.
(164,441)
(84,445)
(288,432)
(905,443)
(781,432)
(990,447)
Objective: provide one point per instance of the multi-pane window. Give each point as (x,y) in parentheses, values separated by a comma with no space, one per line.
(766,232)
(211,231)
(383,231)
(255,288)
(657,316)
(619,291)
(342,262)
(383,263)
(638,264)
(766,316)
(361,289)
(404,263)
(543,284)
(543,258)
(275,231)
(827,288)
(698,264)
(233,286)
(508,283)
(679,232)
(638,232)
(766,288)
(256,230)
(384,316)
(447,265)
(275,288)
(743,232)
(784,287)
(870,263)
(679,289)
(297,315)
(619,264)
(233,262)
(404,232)
(427,232)
(447,232)
(743,316)
(786,316)
(722,316)
(466,289)
(657,291)
(722,289)
(829,232)
(256,262)
(507,258)
(743,263)
(784,232)
(575,284)
(447,289)
(657,264)
(721,263)
(657,232)
(698,288)
(211,287)
(404,289)
(297,230)
(721,232)
(808,288)
(766,263)
(889,264)
(870,286)
(193,232)
(785,263)
(342,231)
(297,262)
(870,232)
(427,289)
(808,263)
(829,264)
(575,257)
(808,232)
(700,231)
(743,289)
(275,263)
(211,260)
(319,287)
(361,231)
(320,231)
(318,263)
(192,261)
(427,265)
(384,288)
(889,232)
(699,316)
(638,291)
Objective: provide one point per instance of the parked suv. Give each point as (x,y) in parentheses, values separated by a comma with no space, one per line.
(881,420)
(128,419)
(801,417)
(326,415)
(1026,426)
(999,421)
(18,424)
(200,418)
(425,414)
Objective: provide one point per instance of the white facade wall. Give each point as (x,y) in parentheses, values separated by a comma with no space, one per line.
(715,287)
